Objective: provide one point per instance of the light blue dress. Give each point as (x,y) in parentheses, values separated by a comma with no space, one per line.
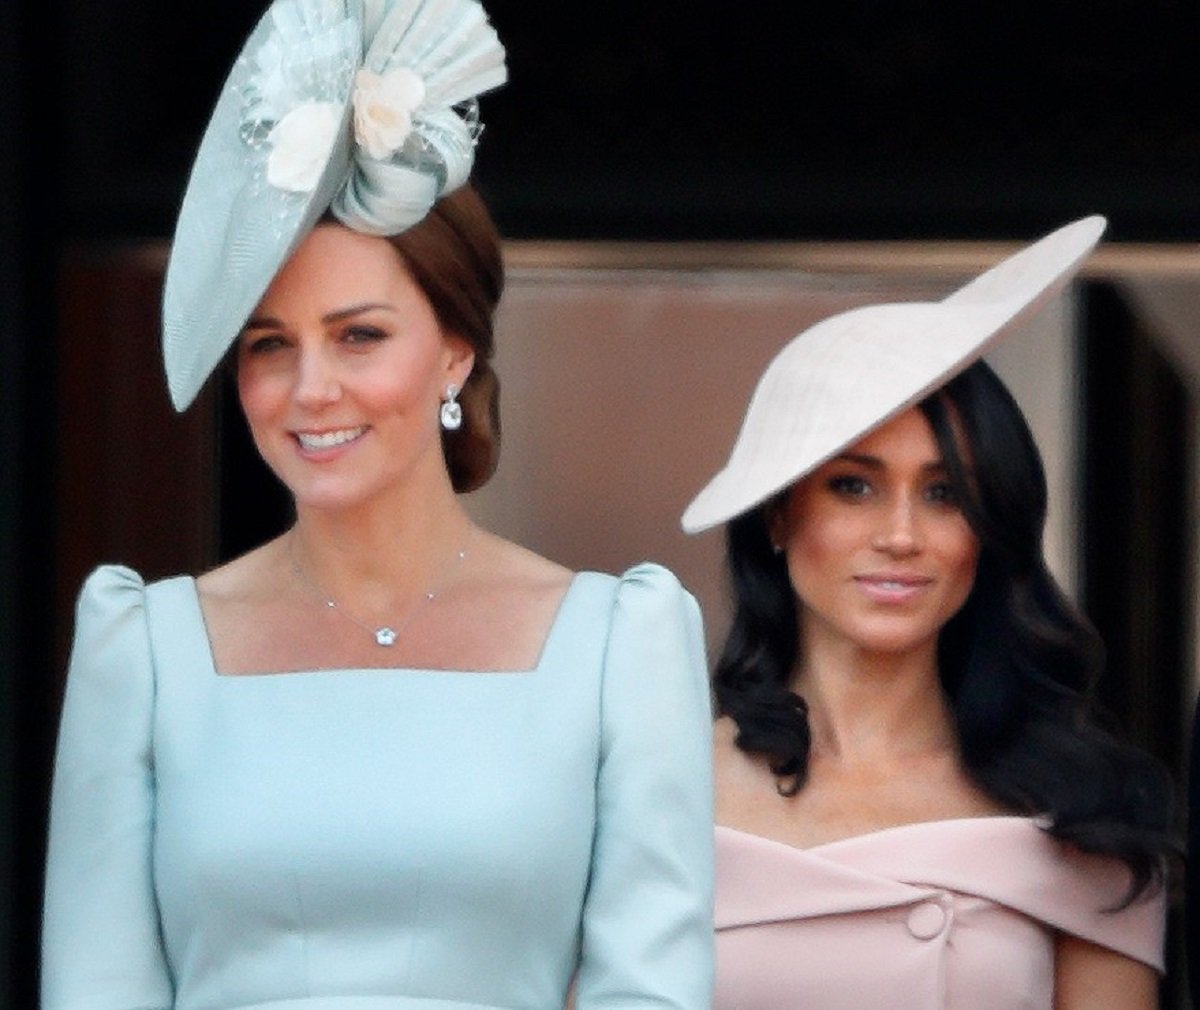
(382,839)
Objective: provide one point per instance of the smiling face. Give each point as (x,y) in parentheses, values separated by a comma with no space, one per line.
(341,370)
(878,552)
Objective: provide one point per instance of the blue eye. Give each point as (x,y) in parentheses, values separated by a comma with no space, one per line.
(263,343)
(364,335)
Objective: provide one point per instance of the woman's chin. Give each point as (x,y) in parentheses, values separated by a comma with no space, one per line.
(894,642)
(328,496)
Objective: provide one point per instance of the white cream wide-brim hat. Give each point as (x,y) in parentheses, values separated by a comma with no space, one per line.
(848,374)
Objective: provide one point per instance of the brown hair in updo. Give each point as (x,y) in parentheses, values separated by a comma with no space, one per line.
(454,256)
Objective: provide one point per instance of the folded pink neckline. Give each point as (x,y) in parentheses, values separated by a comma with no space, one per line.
(1010,861)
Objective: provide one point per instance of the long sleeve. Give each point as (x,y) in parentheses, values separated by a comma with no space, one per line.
(101,945)
(647,935)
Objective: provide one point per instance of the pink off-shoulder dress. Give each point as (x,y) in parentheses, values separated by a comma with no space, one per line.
(942,915)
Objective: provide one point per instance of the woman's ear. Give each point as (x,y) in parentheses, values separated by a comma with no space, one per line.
(459,359)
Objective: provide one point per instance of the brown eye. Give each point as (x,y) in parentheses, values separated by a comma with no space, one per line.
(849,486)
(941,493)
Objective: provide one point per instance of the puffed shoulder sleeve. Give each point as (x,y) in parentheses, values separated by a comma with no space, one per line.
(648,929)
(101,947)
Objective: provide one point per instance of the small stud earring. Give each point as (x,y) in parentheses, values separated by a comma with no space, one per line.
(450,413)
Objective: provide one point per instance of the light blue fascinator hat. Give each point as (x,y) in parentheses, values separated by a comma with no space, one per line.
(850,373)
(365,108)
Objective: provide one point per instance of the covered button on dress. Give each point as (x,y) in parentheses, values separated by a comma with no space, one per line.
(941,915)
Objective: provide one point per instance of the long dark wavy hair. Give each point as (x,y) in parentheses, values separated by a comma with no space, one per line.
(1018,662)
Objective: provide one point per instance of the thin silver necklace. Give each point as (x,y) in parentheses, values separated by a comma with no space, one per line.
(384,634)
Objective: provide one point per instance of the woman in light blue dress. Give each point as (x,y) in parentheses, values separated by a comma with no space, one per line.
(388,760)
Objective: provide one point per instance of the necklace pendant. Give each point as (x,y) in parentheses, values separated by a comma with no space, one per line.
(385,636)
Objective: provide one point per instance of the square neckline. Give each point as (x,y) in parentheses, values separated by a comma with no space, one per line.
(548,642)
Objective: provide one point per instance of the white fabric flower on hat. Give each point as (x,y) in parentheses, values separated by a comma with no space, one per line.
(383,109)
(300,146)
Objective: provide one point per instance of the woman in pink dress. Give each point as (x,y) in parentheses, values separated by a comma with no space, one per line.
(916,806)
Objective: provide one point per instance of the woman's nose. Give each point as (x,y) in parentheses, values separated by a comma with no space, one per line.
(898,533)
(317,381)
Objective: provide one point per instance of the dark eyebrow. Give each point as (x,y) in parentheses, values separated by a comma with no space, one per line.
(355,310)
(271,323)
(262,323)
(875,463)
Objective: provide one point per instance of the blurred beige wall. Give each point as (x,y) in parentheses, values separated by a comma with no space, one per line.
(622,391)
